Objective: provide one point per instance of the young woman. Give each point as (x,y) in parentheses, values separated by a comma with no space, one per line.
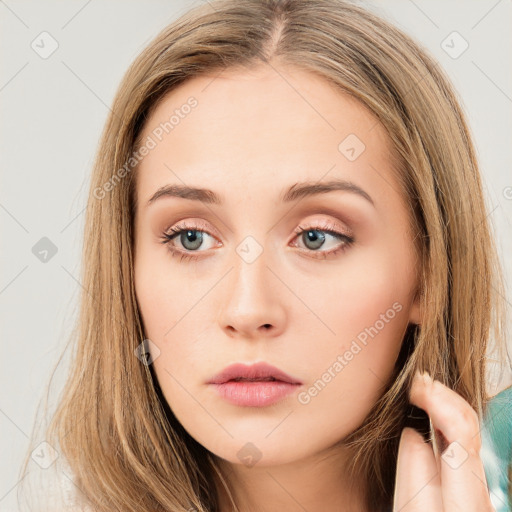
(285,230)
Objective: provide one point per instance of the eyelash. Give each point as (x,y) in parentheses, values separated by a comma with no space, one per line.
(325,228)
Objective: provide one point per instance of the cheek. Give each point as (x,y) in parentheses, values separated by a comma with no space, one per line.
(370,288)
(161,291)
(366,310)
(175,319)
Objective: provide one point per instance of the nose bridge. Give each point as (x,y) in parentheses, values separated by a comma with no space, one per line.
(250,273)
(252,299)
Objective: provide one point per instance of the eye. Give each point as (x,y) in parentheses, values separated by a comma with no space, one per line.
(192,237)
(316,236)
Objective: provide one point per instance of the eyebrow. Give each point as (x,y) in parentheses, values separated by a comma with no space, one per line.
(296,191)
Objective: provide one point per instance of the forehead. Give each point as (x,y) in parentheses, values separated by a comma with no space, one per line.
(267,127)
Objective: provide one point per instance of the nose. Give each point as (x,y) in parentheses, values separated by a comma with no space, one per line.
(252,306)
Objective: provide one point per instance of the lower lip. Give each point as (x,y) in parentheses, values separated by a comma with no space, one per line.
(255,394)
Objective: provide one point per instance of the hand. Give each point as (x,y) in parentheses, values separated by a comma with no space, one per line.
(454,481)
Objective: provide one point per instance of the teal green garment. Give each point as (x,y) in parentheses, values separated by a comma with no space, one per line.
(496,450)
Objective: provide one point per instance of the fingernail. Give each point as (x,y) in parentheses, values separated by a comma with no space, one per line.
(427,378)
(423,378)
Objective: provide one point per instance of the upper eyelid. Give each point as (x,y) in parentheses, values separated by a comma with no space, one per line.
(180,226)
(320,224)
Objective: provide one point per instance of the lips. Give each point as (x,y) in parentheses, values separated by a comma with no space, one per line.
(257,385)
(259,372)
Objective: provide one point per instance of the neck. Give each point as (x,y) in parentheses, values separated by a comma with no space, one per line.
(317,482)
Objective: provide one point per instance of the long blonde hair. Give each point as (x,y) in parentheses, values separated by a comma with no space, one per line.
(124,447)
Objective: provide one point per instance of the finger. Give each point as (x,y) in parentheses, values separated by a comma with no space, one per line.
(418,486)
(440,403)
(464,486)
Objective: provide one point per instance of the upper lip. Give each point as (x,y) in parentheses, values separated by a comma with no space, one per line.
(253,371)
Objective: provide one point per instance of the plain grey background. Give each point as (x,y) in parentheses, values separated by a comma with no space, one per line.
(53,108)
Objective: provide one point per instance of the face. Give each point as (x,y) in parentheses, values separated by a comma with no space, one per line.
(268,266)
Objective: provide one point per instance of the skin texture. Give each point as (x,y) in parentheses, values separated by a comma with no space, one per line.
(251,136)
